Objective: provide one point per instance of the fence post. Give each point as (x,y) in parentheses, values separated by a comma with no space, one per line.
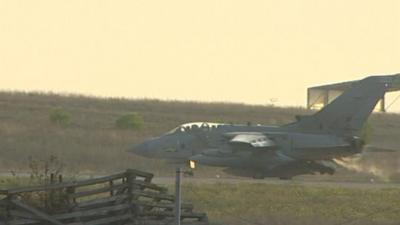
(111,186)
(178,196)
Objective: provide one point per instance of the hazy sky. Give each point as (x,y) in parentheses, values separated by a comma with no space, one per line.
(209,50)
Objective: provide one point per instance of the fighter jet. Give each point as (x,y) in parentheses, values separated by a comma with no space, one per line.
(307,146)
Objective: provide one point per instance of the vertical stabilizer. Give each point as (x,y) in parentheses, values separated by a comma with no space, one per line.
(348,112)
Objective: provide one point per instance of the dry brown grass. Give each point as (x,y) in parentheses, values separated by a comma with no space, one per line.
(93,143)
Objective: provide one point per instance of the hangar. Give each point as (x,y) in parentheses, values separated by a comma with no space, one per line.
(320,96)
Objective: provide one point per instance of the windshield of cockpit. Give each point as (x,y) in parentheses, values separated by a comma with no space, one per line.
(194,126)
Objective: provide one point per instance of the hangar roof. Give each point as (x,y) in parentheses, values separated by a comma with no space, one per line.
(342,86)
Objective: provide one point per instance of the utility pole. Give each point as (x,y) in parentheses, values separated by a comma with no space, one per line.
(178,196)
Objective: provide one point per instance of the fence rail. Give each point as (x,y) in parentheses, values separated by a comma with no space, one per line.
(119,199)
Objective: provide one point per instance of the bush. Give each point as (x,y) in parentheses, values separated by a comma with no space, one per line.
(130,121)
(60,117)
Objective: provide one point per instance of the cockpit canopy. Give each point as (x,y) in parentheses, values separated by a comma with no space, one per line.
(206,126)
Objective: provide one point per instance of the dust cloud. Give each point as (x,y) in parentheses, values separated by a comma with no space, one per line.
(382,165)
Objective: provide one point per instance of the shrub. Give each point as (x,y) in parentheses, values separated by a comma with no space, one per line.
(60,117)
(45,172)
(130,121)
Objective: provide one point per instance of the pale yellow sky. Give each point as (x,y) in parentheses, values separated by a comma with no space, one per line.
(209,50)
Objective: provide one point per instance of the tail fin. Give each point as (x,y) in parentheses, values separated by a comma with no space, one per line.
(348,112)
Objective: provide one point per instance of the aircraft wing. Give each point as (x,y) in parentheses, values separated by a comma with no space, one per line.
(251,139)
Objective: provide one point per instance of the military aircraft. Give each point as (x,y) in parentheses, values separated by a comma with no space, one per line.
(307,146)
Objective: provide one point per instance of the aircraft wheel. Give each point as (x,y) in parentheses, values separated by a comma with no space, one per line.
(329,171)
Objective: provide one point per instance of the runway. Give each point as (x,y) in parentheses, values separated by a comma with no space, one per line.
(336,181)
(303,181)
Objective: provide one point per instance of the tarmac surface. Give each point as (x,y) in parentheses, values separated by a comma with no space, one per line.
(347,181)
(302,181)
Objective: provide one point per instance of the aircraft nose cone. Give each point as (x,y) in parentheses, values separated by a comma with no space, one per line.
(141,149)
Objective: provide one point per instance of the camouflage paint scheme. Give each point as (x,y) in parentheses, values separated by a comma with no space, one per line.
(307,146)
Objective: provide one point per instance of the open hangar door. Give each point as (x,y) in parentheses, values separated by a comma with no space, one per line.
(320,96)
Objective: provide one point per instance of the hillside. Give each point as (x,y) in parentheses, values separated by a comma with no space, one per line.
(92,142)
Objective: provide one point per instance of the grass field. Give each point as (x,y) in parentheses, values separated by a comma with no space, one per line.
(255,204)
(92,143)
(283,204)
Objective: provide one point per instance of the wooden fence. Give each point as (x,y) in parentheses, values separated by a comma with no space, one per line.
(120,199)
